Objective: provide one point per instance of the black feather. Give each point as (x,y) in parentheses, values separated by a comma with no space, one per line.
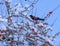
(36,18)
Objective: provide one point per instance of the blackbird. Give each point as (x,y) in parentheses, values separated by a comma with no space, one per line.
(36,18)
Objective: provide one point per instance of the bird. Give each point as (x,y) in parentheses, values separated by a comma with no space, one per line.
(25,0)
(36,18)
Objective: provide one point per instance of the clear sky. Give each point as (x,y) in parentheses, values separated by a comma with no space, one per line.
(41,9)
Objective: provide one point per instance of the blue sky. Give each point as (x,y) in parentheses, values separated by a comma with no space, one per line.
(41,9)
